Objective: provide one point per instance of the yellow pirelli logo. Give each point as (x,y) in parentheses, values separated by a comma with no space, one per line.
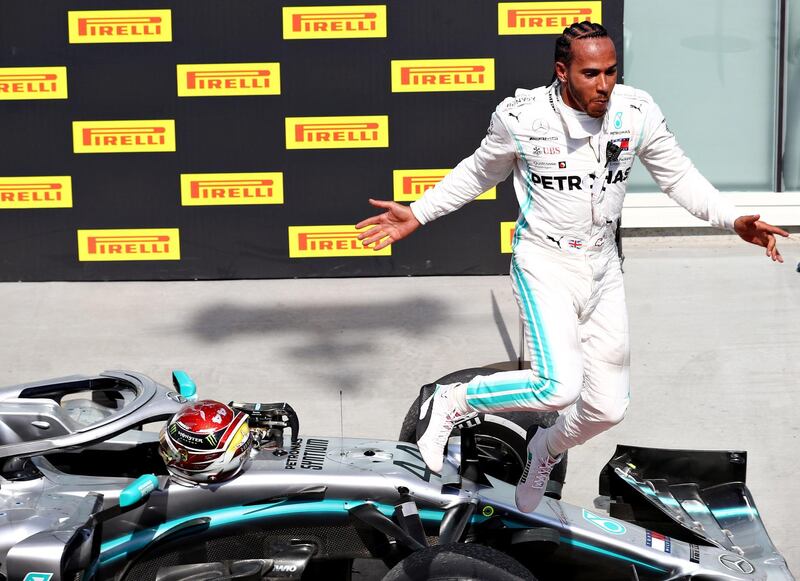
(329,241)
(545,17)
(35,192)
(130,136)
(228,79)
(33,83)
(410,184)
(310,22)
(103,26)
(418,76)
(507,230)
(337,132)
(231,189)
(129,244)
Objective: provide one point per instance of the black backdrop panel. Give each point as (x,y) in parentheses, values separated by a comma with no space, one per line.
(245,134)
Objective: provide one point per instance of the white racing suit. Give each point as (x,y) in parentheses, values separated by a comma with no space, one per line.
(565,270)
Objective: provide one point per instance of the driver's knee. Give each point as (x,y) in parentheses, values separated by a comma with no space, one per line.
(559,393)
(608,412)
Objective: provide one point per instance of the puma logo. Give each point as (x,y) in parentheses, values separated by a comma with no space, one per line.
(556,242)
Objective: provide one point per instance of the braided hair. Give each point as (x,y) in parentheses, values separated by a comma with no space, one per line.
(577,31)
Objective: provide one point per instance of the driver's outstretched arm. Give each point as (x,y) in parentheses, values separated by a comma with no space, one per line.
(677,176)
(489,165)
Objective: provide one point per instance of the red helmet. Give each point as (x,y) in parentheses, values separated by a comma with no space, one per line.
(206,442)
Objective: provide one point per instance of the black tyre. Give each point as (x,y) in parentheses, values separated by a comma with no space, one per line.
(500,438)
(459,562)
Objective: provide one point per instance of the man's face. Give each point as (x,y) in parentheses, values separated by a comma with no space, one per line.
(589,78)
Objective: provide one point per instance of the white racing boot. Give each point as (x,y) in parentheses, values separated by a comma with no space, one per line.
(532,485)
(437,416)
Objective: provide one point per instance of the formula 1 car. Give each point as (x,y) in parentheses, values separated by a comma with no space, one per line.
(84,495)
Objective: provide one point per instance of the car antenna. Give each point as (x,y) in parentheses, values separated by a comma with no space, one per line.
(635,573)
(341,424)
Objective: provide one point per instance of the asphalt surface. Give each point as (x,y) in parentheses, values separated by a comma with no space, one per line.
(715,351)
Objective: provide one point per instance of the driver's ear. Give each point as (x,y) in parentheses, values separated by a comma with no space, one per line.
(561,71)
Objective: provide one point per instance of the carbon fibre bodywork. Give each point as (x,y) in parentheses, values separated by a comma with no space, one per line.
(60,513)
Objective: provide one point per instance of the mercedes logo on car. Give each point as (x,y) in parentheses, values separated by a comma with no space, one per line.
(737,564)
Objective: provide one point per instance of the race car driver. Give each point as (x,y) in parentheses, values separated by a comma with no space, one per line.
(570,147)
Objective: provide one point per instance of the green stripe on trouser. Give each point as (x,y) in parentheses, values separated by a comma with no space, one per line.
(521,389)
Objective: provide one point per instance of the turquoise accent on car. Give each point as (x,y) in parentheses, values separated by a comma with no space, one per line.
(607,524)
(184,384)
(612,554)
(137,490)
(35,576)
(120,547)
(735,511)
(582,545)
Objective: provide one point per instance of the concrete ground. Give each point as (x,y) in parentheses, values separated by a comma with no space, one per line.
(715,350)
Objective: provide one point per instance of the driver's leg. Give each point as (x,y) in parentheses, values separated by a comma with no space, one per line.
(548,296)
(548,286)
(606,352)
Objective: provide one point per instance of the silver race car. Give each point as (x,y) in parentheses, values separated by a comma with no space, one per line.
(86,493)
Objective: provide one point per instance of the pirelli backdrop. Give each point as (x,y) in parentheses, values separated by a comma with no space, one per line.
(223,139)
